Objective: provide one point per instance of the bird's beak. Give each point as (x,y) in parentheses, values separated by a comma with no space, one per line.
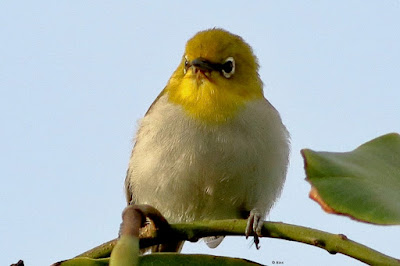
(203,65)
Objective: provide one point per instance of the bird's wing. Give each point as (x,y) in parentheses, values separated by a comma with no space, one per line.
(129,190)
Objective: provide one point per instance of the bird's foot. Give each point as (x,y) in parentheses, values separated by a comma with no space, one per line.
(254,226)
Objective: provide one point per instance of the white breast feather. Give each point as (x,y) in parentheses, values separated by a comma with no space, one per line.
(191,171)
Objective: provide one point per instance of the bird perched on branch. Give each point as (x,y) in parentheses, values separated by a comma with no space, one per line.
(210,146)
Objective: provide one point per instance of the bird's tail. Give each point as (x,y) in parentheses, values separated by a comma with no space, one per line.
(175,246)
(213,241)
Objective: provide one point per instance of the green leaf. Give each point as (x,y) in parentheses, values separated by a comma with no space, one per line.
(82,261)
(363,184)
(165,259)
(191,259)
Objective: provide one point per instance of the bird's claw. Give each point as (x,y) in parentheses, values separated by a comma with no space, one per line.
(254,226)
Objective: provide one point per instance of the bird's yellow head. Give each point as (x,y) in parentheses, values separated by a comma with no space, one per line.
(217,76)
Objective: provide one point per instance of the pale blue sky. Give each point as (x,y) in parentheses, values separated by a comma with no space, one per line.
(75,76)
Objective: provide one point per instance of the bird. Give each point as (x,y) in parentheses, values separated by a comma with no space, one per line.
(211,146)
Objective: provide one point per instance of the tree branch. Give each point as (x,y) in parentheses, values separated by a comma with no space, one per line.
(333,243)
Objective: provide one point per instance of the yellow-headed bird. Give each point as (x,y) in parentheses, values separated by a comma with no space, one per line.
(210,146)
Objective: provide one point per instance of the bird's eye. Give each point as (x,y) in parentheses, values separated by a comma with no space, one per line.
(228,67)
(186,65)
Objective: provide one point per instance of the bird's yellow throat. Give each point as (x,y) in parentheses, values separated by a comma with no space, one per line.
(210,101)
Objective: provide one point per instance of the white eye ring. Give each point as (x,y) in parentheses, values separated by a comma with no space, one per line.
(228,67)
(186,65)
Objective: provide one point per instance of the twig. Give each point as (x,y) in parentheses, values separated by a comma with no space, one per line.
(333,243)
